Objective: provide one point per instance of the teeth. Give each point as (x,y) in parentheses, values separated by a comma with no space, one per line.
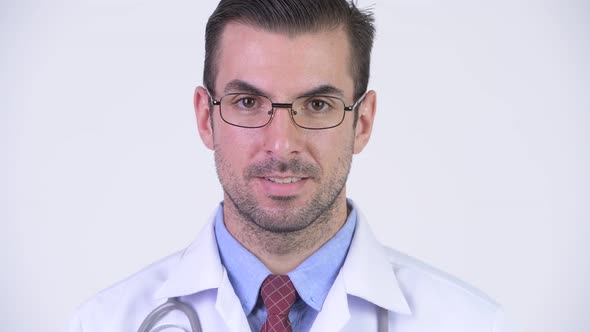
(284,180)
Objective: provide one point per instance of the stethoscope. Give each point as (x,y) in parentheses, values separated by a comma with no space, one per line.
(174,303)
(162,310)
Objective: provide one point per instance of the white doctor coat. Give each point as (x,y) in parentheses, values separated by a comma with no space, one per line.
(417,297)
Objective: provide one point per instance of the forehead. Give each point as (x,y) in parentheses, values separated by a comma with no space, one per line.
(283,64)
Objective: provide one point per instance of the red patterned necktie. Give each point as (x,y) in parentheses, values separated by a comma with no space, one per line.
(278,295)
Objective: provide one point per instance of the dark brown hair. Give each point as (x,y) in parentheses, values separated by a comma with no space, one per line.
(295,17)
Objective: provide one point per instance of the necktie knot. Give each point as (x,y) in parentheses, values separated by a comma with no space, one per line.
(278,295)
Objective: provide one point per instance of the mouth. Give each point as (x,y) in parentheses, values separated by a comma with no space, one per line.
(283,180)
(283,186)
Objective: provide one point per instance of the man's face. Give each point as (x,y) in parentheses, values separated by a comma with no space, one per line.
(282,177)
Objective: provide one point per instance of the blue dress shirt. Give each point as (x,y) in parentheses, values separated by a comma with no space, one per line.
(313,278)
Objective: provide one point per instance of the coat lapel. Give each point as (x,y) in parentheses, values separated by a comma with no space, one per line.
(198,269)
(367,273)
(229,307)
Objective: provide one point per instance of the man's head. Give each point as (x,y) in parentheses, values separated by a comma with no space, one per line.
(295,17)
(281,176)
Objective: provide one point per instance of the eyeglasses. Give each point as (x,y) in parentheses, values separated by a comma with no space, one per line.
(248,110)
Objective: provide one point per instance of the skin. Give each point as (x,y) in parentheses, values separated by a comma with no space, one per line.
(283,224)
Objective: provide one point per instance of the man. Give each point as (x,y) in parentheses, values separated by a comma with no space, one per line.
(284,107)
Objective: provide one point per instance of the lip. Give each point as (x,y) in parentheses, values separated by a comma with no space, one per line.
(285,187)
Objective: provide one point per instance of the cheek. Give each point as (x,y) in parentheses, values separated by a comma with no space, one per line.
(235,144)
(328,148)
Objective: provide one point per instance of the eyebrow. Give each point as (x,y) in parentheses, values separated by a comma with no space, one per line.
(325,89)
(242,86)
(245,87)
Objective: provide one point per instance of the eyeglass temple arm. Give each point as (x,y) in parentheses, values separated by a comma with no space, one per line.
(213,100)
(357,103)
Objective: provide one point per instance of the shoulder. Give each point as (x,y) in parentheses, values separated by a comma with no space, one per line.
(411,271)
(123,306)
(435,299)
(436,296)
(131,293)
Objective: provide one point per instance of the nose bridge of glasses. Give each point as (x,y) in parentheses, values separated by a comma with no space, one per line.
(287,106)
(282,105)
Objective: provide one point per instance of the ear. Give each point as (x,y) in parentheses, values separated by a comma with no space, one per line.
(203,113)
(364,125)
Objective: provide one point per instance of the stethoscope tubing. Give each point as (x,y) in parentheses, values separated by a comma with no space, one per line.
(162,310)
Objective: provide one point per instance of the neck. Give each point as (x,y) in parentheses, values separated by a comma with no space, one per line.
(283,252)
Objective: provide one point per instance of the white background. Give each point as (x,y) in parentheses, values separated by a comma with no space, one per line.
(478,162)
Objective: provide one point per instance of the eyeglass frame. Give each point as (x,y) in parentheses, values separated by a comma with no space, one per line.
(217,102)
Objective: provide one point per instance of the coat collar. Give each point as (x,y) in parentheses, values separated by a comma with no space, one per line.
(198,268)
(367,271)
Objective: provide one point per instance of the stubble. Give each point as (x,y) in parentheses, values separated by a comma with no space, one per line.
(285,228)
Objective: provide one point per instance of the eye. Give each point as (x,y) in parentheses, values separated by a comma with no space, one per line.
(319,105)
(247,102)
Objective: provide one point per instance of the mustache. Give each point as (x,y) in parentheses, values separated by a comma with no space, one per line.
(292,166)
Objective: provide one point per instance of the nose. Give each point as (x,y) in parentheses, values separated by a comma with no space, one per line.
(282,137)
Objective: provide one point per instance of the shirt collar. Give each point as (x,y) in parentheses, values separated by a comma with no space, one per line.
(313,278)
(245,271)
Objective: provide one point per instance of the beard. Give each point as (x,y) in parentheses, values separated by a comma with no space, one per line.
(286,215)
